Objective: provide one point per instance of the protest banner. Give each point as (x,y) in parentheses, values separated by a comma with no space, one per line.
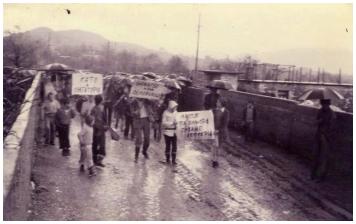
(148,90)
(87,84)
(196,124)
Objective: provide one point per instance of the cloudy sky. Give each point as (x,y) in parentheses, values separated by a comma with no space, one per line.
(228,30)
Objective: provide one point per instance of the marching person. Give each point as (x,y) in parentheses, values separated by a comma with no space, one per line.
(85,137)
(211,99)
(221,121)
(108,102)
(63,119)
(124,103)
(49,110)
(99,128)
(249,117)
(322,152)
(169,124)
(142,117)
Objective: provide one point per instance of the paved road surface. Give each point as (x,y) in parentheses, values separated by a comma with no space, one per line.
(254,182)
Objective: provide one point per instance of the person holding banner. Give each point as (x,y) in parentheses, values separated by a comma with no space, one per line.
(142,117)
(221,121)
(169,124)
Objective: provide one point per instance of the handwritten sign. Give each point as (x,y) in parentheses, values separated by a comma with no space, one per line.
(87,84)
(148,90)
(196,124)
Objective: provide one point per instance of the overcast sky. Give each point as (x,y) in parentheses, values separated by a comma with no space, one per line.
(227,29)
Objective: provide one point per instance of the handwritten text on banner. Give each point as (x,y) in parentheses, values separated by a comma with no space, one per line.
(196,124)
(87,84)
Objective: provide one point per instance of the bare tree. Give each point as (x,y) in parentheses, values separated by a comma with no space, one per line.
(176,65)
(20,50)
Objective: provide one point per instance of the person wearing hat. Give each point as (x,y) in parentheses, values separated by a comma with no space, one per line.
(169,124)
(322,151)
(211,99)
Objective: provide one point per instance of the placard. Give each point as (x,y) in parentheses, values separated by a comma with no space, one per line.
(87,84)
(196,124)
(148,90)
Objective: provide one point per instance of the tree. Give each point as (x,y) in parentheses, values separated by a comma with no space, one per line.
(20,50)
(176,65)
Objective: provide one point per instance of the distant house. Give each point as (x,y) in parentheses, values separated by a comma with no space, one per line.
(204,77)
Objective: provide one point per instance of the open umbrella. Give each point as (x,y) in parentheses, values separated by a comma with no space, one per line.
(220,84)
(172,83)
(150,75)
(57,67)
(321,93)
(172,76)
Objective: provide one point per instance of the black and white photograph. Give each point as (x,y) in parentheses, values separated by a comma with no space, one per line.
(195,111)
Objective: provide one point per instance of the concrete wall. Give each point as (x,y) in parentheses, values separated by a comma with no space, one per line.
(284,123)
(17,160)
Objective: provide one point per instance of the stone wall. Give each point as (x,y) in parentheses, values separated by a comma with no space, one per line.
(17,160)
(283,123)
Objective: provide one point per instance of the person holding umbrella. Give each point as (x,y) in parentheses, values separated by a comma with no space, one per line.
(211,99)
(322,151)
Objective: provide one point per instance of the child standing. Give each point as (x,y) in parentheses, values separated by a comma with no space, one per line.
(221,121)
(63,119)
(169,124)
(86,139)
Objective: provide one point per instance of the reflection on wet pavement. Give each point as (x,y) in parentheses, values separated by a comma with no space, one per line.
(151,190)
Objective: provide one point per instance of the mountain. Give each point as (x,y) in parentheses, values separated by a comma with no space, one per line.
(80,37)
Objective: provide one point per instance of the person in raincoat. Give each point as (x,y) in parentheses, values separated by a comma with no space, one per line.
(322,152)
(221,122)
(169,124)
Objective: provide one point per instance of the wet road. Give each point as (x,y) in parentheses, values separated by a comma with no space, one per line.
(249,185)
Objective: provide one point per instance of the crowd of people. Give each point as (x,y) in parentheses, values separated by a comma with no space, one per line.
(136,117)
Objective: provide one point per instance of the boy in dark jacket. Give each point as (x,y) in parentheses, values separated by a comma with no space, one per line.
(99,128)
(63,119)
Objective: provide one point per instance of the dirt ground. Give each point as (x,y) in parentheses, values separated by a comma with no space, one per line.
(255,181)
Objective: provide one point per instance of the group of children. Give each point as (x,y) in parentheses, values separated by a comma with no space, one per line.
(58,116)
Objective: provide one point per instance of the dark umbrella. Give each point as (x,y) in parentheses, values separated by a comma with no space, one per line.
(172,76)
(172,83)
(219,84)
(321,93)
(57,67)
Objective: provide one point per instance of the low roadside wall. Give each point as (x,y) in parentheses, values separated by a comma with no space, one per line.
(283,123)
(17,160)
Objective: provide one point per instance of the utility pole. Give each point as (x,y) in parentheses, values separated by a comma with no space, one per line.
(197,51)
(339,75)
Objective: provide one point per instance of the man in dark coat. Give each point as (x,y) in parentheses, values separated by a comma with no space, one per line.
(322,151)
(211,99)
